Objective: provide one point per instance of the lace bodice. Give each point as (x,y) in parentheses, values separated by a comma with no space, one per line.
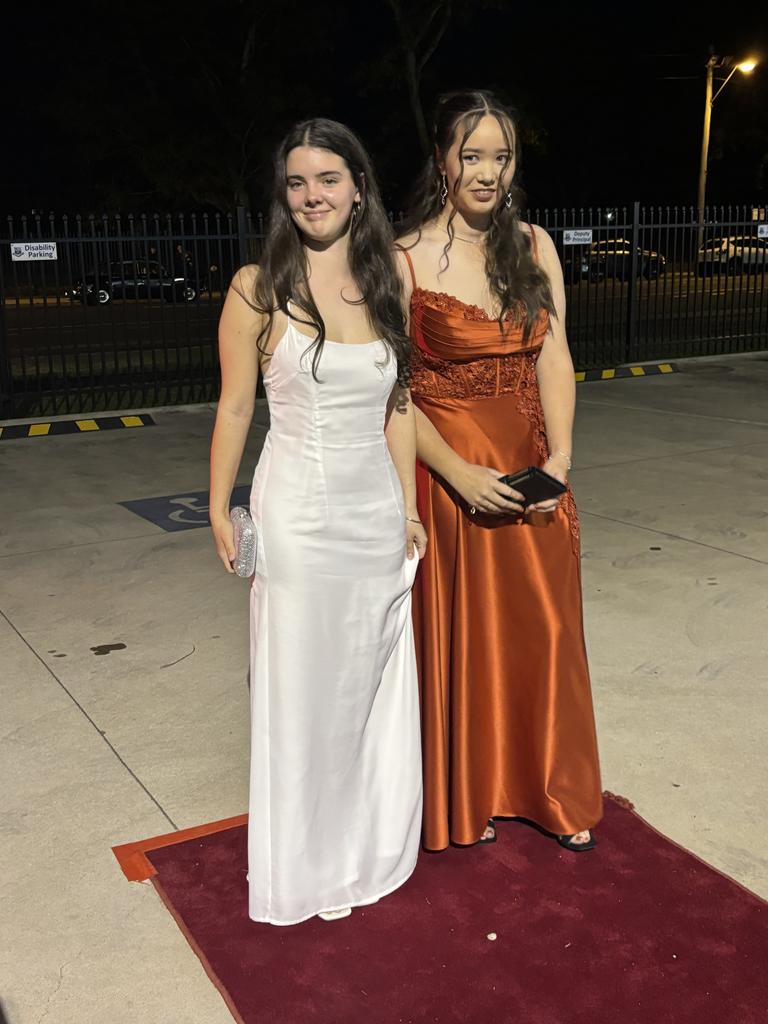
(460,353)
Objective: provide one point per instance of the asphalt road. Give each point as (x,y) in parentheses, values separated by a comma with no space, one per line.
(675,315)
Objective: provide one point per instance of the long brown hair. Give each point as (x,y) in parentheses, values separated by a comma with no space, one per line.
(518,282)
(283,278)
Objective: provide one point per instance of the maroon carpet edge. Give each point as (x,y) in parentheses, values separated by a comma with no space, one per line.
(629,806)
(215,980)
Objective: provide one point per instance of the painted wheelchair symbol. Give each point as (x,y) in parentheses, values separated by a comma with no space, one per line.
(191,511)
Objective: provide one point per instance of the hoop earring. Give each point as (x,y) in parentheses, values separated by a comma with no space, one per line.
(508,200)
(444,191)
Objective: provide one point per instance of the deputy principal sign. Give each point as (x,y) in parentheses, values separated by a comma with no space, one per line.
(21,251)
(579,236)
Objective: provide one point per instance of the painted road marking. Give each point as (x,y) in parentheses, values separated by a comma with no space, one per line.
(625,372)
(187,511)
(58,427)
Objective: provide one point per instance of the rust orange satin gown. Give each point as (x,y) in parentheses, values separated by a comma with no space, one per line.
(507,720)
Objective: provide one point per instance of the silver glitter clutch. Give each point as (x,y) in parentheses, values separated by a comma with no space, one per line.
(244,562)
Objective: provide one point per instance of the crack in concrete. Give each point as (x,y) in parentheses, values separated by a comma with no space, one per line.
(90,721)
(187,655)
(673,536)
(59,983)
(675,412)
(656,457)
(85,544)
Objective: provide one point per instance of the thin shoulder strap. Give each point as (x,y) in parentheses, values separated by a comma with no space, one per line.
(410,264)
(534,244)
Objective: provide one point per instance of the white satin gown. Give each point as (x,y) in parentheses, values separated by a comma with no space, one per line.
(335,784)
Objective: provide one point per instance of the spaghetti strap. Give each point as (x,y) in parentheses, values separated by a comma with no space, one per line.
(410,264)
(534,244)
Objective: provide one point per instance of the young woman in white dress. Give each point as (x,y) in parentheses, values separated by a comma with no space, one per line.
(335,792)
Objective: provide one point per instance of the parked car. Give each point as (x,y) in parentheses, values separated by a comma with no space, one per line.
(133,279)
(733,254)
(577,264)
(612,257)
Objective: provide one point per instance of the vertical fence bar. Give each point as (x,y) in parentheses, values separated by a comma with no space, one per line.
(680,281)
(242,236)
(30,306)
(643,283)
(704,298)
(742,293)
(724,290)
(7,405)
(761,331)
(761,265)
(41,286)
(629,349)
(735,273)
(58,383)
(135,252)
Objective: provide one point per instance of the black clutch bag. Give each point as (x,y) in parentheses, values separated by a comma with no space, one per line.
(534,484)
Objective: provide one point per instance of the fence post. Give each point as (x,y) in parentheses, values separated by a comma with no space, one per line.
(6,373)
(632,294)
(242,236)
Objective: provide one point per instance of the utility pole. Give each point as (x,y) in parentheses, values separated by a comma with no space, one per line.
(746,67)
(711,63)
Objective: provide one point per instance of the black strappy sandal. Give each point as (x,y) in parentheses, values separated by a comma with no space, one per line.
(567,843)
(489,839)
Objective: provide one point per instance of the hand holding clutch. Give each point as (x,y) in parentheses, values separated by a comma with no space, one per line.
(536,485)
(244,562)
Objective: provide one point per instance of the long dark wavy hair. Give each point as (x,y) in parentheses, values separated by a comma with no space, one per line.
(518,282)
(283,280)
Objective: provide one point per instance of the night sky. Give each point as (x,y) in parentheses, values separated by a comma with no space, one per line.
(143,106)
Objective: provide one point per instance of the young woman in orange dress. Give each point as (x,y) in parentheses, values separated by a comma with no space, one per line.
(507,720)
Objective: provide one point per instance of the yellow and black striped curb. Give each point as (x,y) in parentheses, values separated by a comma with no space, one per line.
(83,426)
(144,420)
(625,371)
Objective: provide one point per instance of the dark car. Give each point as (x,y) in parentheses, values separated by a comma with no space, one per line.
(578,264)
(134,279)
(612,257)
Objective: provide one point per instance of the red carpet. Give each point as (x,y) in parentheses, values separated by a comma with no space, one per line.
(637,932)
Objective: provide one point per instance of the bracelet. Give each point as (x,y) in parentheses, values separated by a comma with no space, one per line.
(408,519)
(565,455)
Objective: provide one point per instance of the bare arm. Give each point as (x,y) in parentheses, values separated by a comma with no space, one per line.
(400,432)
(434,450)
(554,372)
(239,327)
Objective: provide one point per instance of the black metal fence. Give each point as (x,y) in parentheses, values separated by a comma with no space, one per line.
(111,312)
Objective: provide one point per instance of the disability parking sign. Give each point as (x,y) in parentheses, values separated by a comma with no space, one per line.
(24,251)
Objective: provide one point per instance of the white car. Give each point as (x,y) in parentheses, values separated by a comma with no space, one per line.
(734,254)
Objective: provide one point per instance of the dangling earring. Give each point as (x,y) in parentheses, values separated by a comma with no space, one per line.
(355,211)
(508,200)
(444,191)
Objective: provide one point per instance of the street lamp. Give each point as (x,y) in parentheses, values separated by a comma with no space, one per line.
(746,67)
